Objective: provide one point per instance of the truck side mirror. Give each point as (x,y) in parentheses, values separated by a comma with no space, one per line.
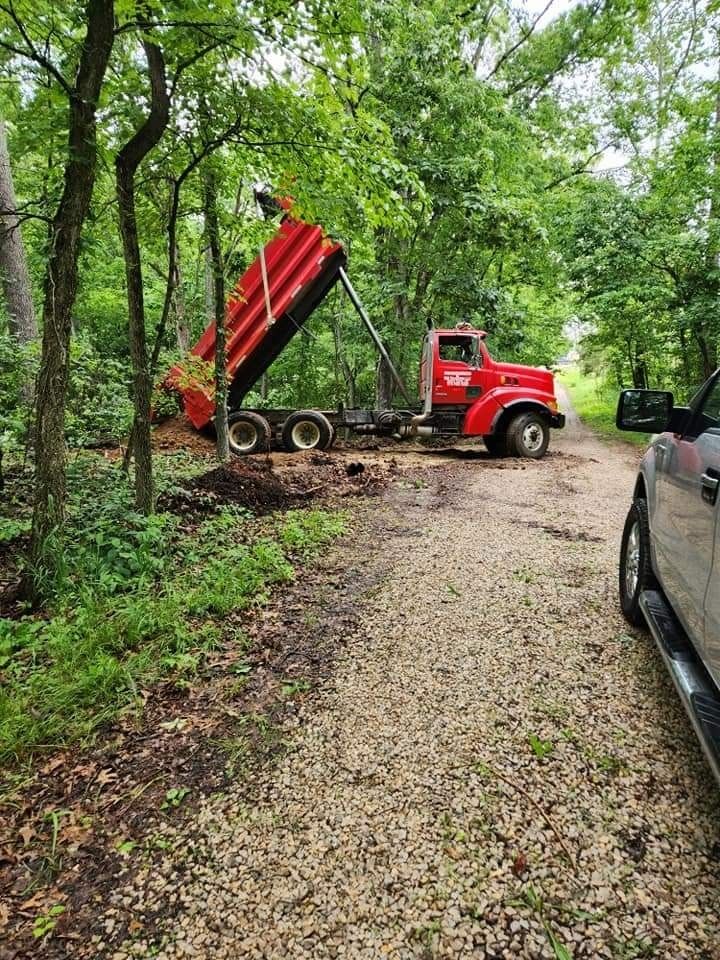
(644,411)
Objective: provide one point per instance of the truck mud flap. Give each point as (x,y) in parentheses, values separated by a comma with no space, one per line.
(697,691)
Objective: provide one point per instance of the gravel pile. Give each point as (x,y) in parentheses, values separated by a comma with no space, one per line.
(500,769)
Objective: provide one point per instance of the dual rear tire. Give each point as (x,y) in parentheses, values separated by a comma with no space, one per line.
(303,430)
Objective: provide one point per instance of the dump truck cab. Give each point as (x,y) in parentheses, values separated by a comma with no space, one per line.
(464,390)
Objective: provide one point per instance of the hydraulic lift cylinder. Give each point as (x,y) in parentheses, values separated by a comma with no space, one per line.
(355,300)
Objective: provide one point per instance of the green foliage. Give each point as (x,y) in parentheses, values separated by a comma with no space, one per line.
(17,367)
(99,407)
(46,922)
(595,401)
(541,748)
(139,599)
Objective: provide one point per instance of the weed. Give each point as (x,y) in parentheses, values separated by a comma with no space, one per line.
(305,531)
(237,752)
(126,847)
(524,576)
(428,936)
(608,763)
(45,923)
(174,797)
(541,748)
(535,902)
(292,687)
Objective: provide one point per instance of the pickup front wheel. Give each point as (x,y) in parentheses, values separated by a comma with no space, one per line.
(636,572)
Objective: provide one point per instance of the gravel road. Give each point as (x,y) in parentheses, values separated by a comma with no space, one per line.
(498,768)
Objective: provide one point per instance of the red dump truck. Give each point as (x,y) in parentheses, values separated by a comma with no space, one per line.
(463,391)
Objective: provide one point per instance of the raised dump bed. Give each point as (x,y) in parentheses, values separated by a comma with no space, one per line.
(269,305)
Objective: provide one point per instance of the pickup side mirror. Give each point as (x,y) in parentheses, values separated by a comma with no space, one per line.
(644,411)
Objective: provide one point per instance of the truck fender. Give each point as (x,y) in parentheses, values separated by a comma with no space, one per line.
(491,412)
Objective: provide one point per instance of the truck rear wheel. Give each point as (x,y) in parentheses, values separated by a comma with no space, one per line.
(307,430)
(248,433)
(496,444)
(528,435)
(635,570)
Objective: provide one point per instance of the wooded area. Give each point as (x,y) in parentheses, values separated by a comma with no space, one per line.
(534,170)
(545,170)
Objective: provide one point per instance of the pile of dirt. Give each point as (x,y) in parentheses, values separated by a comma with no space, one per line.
(177,433)
(253,483)
(246,483)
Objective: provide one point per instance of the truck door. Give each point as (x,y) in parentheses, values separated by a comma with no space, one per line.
(457,369)
(684,526)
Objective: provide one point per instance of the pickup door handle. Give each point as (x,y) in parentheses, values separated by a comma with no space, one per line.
(710,481)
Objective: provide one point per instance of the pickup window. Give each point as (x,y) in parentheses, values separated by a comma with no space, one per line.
(707,415)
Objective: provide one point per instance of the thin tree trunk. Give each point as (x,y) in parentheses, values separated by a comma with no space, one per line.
(383,386)
(60,290)
(13,262)
(212,228)
(182,327)
(209,286)
(127,162)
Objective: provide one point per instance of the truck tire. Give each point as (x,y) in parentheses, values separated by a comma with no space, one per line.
(307,430)
(248,433)
(528,435)
(635,568)
(496,444)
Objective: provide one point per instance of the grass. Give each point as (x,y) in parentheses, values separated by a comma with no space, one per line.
(141,600)
(595,402)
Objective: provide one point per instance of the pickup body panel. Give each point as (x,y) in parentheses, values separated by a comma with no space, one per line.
(678,474)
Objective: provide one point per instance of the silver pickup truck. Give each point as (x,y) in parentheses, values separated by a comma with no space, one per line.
(670,553)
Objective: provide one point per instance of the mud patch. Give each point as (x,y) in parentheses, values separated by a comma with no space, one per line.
(562,533)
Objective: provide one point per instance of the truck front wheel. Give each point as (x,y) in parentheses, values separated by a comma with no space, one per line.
(248,433)
(529,435)
(307,430)
(496,444)
(635,571)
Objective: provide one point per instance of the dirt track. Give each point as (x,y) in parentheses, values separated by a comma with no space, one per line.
(499,768)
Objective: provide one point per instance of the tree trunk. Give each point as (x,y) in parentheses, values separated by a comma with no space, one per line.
(383,386)
(13,262)
(60,290)
(212,228)
(182,327)
(209,286)
(126,164)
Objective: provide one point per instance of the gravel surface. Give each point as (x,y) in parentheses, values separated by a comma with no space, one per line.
(499,767)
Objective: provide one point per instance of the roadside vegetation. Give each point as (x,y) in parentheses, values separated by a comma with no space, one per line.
(139,600)
(595,401)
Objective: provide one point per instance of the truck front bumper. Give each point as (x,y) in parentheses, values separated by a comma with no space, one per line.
(557,420)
